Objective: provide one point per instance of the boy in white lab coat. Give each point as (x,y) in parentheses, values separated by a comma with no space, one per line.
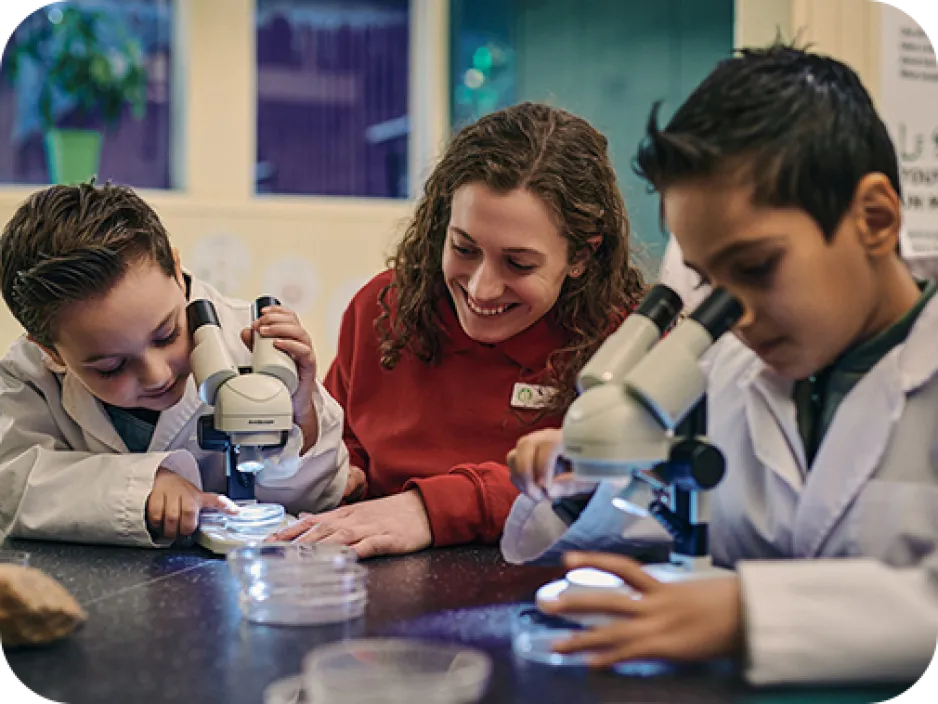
(780,184)
(98,407)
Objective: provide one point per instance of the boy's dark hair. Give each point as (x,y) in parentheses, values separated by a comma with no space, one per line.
(70,243)
(799,126)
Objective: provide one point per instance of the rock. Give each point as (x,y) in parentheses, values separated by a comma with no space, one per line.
(34,608)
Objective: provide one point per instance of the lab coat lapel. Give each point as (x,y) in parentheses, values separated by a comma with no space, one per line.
(773,425)
(849,455)
(859,435)
(89,415)
(177,419)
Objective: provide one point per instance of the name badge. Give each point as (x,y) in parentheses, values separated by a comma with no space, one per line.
(531,396)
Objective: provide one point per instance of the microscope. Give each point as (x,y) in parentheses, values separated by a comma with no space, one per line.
(253,414)
(641,421)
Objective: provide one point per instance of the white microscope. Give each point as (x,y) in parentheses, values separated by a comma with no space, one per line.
(253,414)
(641,420)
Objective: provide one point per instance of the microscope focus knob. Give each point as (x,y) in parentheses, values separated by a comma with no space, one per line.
(703,464)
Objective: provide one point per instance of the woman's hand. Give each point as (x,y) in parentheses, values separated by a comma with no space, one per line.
(393,525)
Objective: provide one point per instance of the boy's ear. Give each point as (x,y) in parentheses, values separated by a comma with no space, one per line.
(878,212)
(56,357)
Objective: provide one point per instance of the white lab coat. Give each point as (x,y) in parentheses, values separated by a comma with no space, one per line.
(861,601)
(65,473)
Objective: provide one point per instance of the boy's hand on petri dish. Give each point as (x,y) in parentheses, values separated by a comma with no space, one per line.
(173,505)
(680,621)
(291,337)
(534,461)
(393,525)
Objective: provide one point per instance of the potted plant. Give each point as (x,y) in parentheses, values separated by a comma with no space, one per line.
(85,69)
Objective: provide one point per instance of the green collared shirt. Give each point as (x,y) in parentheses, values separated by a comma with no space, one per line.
(134,425)
(818,397)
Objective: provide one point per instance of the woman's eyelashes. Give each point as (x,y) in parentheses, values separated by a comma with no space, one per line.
(470,253)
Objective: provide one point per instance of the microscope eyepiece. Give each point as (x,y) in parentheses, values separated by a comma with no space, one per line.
(201,312)
(260,303)
(661,306)
(718,313)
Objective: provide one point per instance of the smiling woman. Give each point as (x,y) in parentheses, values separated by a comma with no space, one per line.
(512,272)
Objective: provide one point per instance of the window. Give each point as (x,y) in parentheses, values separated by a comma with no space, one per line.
(135,151)
(482,58)
(332,97)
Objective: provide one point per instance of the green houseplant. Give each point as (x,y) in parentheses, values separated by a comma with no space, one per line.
(87,69)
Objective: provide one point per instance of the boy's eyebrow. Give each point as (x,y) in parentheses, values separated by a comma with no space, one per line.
(735,248)
(98,357)
(510,250)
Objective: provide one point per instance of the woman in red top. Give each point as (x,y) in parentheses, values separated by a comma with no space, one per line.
(512,272)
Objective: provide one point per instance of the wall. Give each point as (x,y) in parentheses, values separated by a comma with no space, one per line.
(344,242)
(610,61)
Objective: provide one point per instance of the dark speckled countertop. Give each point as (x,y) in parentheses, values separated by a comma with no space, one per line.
(164,626)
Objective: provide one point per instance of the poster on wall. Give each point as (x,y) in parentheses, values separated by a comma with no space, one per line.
(909,106)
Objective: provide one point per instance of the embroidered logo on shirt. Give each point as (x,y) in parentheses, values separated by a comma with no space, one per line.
(531,396)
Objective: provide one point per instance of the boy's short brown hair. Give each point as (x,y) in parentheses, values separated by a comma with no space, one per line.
(70,243)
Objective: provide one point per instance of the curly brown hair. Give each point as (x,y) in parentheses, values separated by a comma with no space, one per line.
(564,161)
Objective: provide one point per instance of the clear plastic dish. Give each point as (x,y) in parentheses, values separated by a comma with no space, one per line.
(289,690)
(385,670)
(252,518)
(534,634)
(256,518)
(298,583)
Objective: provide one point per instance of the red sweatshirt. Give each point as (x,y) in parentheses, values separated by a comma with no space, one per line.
(443,428)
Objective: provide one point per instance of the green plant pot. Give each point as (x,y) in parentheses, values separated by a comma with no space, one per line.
(73,156)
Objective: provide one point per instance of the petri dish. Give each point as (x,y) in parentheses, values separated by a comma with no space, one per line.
(255,519)
(533,635)
(289,690)
(298,583)
(385,670)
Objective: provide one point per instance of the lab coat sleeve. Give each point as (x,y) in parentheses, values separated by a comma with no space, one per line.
(316,480)
(838,621)
(535,534)
(49,491)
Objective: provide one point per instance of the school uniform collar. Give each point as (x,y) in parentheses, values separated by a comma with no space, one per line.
(529,349)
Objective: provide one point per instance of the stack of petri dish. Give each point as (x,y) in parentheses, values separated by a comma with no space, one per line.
(298,583)
(386,671)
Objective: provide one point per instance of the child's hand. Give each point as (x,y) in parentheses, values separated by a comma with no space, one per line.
(291,337)
(683,621)
(173,506)
(356,485)
(533,461)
